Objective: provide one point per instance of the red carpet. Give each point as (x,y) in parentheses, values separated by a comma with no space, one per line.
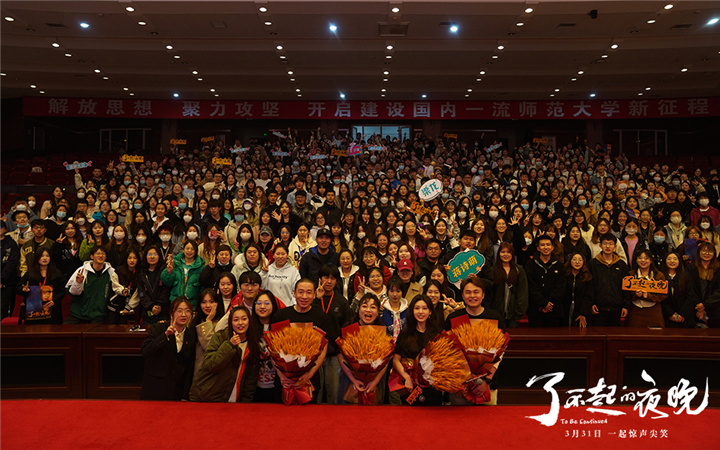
(29,424)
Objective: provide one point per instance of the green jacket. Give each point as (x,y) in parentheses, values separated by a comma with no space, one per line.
(177,282)
(90,297)
(216,379)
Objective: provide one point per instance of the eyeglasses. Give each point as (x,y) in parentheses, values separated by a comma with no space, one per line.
(247,285)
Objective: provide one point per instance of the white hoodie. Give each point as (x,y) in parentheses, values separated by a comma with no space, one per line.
(346,280)
(281,282)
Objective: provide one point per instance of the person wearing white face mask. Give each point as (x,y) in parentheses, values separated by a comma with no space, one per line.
(704,208)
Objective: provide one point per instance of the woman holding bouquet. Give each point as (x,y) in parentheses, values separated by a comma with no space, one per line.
(368,314)
(229,372)
(420,330)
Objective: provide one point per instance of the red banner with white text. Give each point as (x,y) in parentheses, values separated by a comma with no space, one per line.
(372,110)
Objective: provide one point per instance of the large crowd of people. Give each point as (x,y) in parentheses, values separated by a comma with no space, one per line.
(209,254)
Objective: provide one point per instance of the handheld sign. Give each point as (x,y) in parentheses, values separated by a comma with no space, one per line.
(318,156)
(223,161)
(279,134)
(77,165)
(178,141)
(493,147)
(464,264)
(431,189)
(376,148)
(339,152)
(354,150)
(281,153)
(631,283)
(239,150)
(207,139)
(540,140)
(133,158)
(419,209)
(450,135)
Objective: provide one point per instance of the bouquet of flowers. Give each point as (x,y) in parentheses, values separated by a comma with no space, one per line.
(294,348)
(483,344)
(366,350)
(442,365)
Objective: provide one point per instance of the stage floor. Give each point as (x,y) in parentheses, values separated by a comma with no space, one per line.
(60,424)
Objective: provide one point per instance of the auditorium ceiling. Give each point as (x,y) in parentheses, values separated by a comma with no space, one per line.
(287,50)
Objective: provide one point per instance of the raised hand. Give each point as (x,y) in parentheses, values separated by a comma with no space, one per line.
(213,311)
(320,291)
(171,329)
(170,264)
(211,263)
(26,287)
(80,276)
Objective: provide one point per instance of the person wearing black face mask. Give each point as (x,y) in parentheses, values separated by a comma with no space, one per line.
(220,263)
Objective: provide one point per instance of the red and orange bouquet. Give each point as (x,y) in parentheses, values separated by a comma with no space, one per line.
(366,350)
(442,365)
(294,348)
(483,345)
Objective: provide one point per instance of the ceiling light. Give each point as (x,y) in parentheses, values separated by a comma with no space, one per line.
(333,27)
(383,90)
(684,69)
(454,28)
(467,95)
(55,44)
(200,79)
(262,9)
(297,90)
(478,79)
(519,24)
(33,86)
(132,93)
(9,19)
(279,47)
(640,93)
(212,90)
(389,47)
(176,95)
(176,56)
(97,70)
(573,79)
(668,6)
(395,10)
(194,72)
(713,21)
(268,23)
(557,89)
(382,95)
(2,74)
(580,72)
(282,57)
(424,96)
(386,72)
(495,56)
(501,47)
(648,88)
(290,72)
(342,96)
(129,9)
(292,79)
(68,55)
(142,24)
(552,95)
(651,21)
(42,92)
(217,95)
(126,89)
(528,10)
(469,90)
(592,95)
(106,78)
(604,56)
(614,46)
(386,79)
(482,72)
(84,25)
(169,47)
(388,56)
(299,95)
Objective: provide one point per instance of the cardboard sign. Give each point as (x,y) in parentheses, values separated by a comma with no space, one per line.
(239,150)
(279,134)
(414,395)
(419,209)
(493,147)
(376,148)
(354,150)
(540,140)
(133,158)
(281,153)
(450,135)
(208,139)
(431,189)
(77,165)
(38,303)
(339,152)
(464,264)
(318,156)
(631,283)
(223,161)
(178,141)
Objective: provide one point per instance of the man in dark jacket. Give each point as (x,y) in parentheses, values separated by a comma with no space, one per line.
(608,271)
(318,256)
(546,285)
(10,253)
